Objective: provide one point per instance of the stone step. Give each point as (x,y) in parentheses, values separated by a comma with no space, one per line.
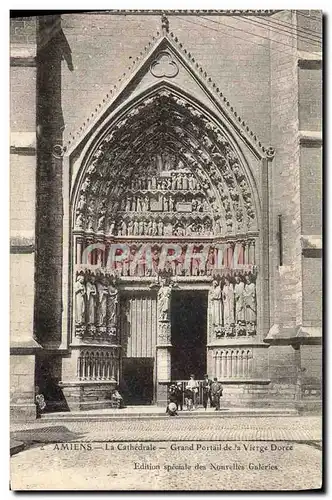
(159,413)
(15,446)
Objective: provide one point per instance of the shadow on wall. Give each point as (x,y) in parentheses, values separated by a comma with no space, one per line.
(52,49)
(47,377)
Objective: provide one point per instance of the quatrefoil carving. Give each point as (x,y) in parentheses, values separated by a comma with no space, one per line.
(164,66)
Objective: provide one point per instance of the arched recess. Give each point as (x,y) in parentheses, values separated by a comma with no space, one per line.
(165,169)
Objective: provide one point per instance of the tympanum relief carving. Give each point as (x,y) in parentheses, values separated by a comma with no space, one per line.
(168,162)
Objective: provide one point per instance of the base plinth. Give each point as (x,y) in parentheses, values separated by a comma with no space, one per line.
(88,395)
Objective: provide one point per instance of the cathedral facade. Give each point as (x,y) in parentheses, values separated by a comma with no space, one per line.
(154,233)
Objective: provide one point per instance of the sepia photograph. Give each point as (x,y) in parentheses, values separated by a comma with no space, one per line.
(166,250)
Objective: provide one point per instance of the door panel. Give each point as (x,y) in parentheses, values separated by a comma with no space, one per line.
(137,380)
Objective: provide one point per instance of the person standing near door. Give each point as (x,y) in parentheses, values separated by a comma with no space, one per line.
(216,393)
(206,391)
(192,387)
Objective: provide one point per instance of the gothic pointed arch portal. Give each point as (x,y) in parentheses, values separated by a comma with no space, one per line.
(165,173)
(162,200)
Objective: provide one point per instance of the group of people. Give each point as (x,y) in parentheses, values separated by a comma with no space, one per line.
(212,392)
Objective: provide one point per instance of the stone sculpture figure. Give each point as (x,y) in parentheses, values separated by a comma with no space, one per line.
(228,302)
(141,227)
(160,228)
(216,304)
(130,228)
(112,227)
(171,204)
(146,204)
(164,301)
(80,295)
(112,305)
(81,203)
(128,205)
(250,300)
(123,228)
(79,221)
(101,223)
(239,300)
(102,290)
(135,228)
(165,203)
(91,295)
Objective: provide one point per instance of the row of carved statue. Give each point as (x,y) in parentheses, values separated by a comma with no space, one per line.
(233,306)
(145,259)
(178,181)
(160,203)
(159,227)
(96,306)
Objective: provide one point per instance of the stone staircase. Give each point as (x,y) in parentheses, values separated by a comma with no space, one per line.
(157,412)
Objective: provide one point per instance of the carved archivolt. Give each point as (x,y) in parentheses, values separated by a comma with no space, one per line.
(164,169)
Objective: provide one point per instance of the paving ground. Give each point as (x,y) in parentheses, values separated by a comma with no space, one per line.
(240,453)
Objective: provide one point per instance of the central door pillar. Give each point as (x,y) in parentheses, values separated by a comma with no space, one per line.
(163,342)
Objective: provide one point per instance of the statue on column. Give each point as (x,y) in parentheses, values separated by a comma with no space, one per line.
(102,290)
(164,301)
(216,306)
(228,303)
(91,295)
(112,308)
(80,295)
(164,310)
(250,305)
(239,306)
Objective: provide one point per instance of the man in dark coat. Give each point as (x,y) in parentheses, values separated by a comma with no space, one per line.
(216,393)
(206,391)
(179,396)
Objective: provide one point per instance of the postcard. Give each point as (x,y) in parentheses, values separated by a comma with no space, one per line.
(166,250)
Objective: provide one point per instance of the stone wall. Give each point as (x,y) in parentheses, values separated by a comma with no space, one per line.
(22,217)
